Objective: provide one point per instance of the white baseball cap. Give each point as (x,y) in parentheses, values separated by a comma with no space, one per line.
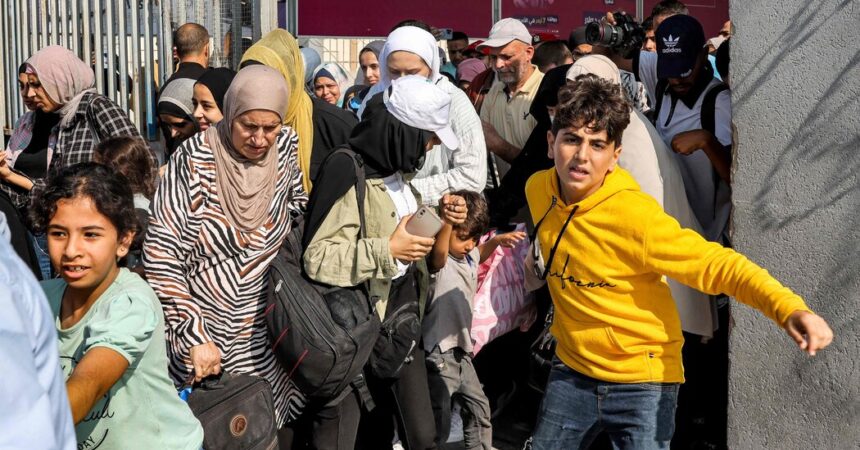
(417,102)
(505,31)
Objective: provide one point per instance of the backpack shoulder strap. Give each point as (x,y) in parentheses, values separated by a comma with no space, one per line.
(360,185)
(709,107)
(660,89)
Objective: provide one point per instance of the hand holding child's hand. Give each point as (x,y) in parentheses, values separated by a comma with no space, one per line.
(509,240)
(452,209)
(809,330)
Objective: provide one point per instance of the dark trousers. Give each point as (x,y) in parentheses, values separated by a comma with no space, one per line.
(404,402)
(323,427)
(452,378)
(703,399)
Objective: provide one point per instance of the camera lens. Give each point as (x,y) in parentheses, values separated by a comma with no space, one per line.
(593,32)
(604,34)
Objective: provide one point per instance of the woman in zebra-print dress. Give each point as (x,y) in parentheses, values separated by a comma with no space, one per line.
(227,201)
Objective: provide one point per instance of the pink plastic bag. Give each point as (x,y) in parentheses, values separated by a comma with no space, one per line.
(501,303)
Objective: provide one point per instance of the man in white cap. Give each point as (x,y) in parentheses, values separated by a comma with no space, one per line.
(505,111)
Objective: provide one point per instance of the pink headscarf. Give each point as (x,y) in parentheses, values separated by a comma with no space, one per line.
(64,76)
(469,69)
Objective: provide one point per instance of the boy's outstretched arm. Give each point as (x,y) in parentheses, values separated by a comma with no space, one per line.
(686,256)
(809,330)
(507,240)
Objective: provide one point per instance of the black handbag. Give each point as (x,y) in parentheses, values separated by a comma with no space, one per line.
(236,412)
(540,356)
(399,336)
(543,348)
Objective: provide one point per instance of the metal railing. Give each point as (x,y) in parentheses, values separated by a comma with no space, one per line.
(124,42)
(128,42)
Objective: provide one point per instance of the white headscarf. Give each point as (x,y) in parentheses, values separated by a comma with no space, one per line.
(405,39)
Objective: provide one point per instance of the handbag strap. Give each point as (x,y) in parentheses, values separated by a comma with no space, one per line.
(93,131)
(360,185)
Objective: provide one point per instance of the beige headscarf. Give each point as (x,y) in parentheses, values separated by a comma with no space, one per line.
(598,65)
(246,187)
(65,77)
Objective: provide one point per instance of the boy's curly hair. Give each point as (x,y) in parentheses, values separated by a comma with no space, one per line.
(594,103)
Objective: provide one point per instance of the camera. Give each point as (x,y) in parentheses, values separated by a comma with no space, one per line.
(625,37)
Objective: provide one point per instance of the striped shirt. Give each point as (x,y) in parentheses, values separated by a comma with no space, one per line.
(211,277)
(456,169)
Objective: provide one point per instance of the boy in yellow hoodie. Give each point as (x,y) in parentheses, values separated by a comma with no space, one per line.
(603,247)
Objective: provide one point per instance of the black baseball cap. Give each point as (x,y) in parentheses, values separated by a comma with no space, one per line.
(680,40)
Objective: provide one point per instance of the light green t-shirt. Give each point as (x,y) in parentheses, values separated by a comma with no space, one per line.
(142,410)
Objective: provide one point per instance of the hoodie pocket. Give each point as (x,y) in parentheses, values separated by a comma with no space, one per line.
(596,338)
(599,348)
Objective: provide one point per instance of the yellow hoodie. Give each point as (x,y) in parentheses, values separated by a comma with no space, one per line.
(615,319)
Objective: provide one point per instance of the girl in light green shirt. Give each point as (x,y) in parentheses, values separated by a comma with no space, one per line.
(110,323)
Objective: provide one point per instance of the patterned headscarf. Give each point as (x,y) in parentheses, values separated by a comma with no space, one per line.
(335,72)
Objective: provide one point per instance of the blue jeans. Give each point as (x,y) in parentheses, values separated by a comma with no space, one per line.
(40,245)
(576,408)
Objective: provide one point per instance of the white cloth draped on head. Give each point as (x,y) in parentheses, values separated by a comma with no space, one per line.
(405,39)
(655,169)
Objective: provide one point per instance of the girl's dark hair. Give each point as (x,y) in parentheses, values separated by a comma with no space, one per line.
(131,157)
(108,190)
(22,68)
(478,217)
(594,103)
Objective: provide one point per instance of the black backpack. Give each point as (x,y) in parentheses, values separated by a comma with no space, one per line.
(322,335)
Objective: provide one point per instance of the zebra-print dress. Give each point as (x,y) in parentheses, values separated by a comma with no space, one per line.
(211,277)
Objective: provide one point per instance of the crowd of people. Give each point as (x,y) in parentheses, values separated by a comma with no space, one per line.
(155,267)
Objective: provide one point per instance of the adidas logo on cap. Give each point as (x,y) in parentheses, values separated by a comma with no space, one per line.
(671,44)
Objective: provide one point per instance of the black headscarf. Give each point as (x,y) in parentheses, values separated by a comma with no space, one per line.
(547,94)
(332,128)
(386,146)
(217,80)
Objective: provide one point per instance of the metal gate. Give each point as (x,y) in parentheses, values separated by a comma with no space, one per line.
(127,42)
